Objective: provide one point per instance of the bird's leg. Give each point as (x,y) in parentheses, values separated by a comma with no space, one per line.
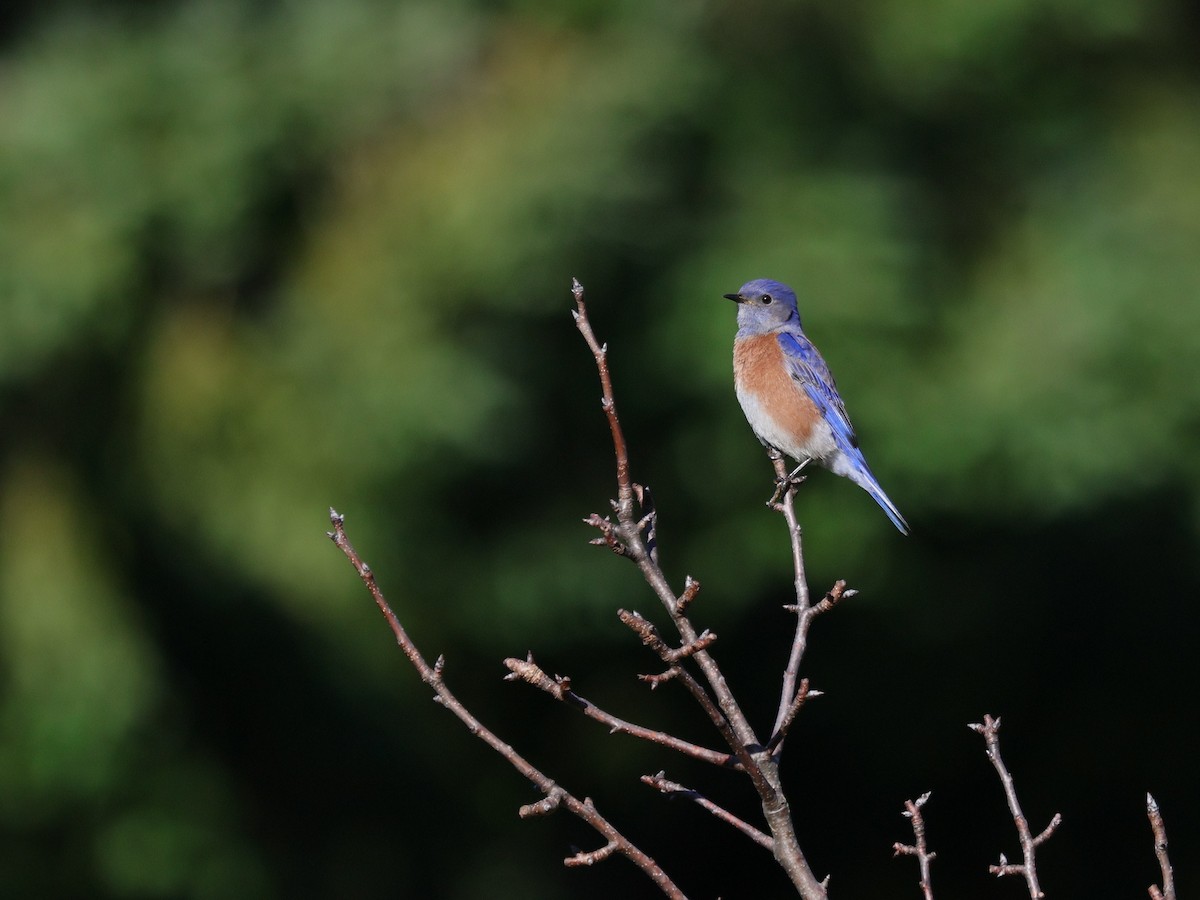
(796,471)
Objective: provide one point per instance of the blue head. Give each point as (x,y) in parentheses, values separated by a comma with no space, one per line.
(765,306)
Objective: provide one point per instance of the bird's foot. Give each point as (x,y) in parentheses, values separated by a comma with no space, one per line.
(785,483)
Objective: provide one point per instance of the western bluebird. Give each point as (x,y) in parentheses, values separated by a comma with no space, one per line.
(787,392)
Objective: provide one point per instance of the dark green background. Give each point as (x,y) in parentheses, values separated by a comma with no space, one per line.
(257,259)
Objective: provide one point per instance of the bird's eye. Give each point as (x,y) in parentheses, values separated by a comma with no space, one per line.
(764,299)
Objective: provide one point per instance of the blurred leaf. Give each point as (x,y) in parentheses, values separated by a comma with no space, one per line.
(80,677)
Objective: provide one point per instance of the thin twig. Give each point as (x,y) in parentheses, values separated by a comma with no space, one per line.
(990,729)
(786,504)
(555,795)
(662,678)
(784,501)
(802,694)
(651,638)
(559,687)
(661,783)
(1167,891)
(591,857)
(735,727)
(919,849)
(741,752)
(607,403)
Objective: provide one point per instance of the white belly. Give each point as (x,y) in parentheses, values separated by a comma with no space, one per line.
(818,445)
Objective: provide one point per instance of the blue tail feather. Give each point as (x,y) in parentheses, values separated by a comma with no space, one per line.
(888,507)
(862,476)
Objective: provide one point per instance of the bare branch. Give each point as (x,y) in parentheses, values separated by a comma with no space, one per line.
(832,597)
(543,807)
(990,729)
(797,702)
(661,783)
(784,501)
(592,856)
(691,587)
(555,795)
(655,680)
(652,639)
(607,403)
(559,687)
(727,714)
(529,671)
(608,536)
(1167,891)
(786,504)
(919,849)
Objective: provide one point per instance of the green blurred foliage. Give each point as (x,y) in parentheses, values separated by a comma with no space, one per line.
(258,259)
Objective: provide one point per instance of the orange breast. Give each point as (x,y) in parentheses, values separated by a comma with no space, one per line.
(778,409)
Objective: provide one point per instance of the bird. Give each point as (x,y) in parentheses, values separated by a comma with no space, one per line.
(788,394)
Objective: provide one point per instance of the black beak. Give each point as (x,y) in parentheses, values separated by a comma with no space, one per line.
(736,298)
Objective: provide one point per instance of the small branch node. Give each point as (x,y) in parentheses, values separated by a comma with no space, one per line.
(608,534)
(691,587)
(832,597)
(655,680)
(644,629)
(659,782)
(802,694)
(591,857)
(545,806)
(528,671)
(705,640)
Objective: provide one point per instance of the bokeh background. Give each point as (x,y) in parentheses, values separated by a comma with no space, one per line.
(257,259)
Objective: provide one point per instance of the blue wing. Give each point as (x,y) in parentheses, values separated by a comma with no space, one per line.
(809,370)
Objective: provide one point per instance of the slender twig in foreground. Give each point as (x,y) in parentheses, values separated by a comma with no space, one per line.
(555,795)
(661,783)
(802,694)
(559,687)
(990,729)
(784,501)
(919,849)
(1167,891)
(649,635)
(632,537)
(790,697)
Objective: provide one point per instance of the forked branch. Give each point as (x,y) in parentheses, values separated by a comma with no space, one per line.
(632,536)
(990,729)
(919,849)
(661,783)
(792,695)
(555,795)
(559,687)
